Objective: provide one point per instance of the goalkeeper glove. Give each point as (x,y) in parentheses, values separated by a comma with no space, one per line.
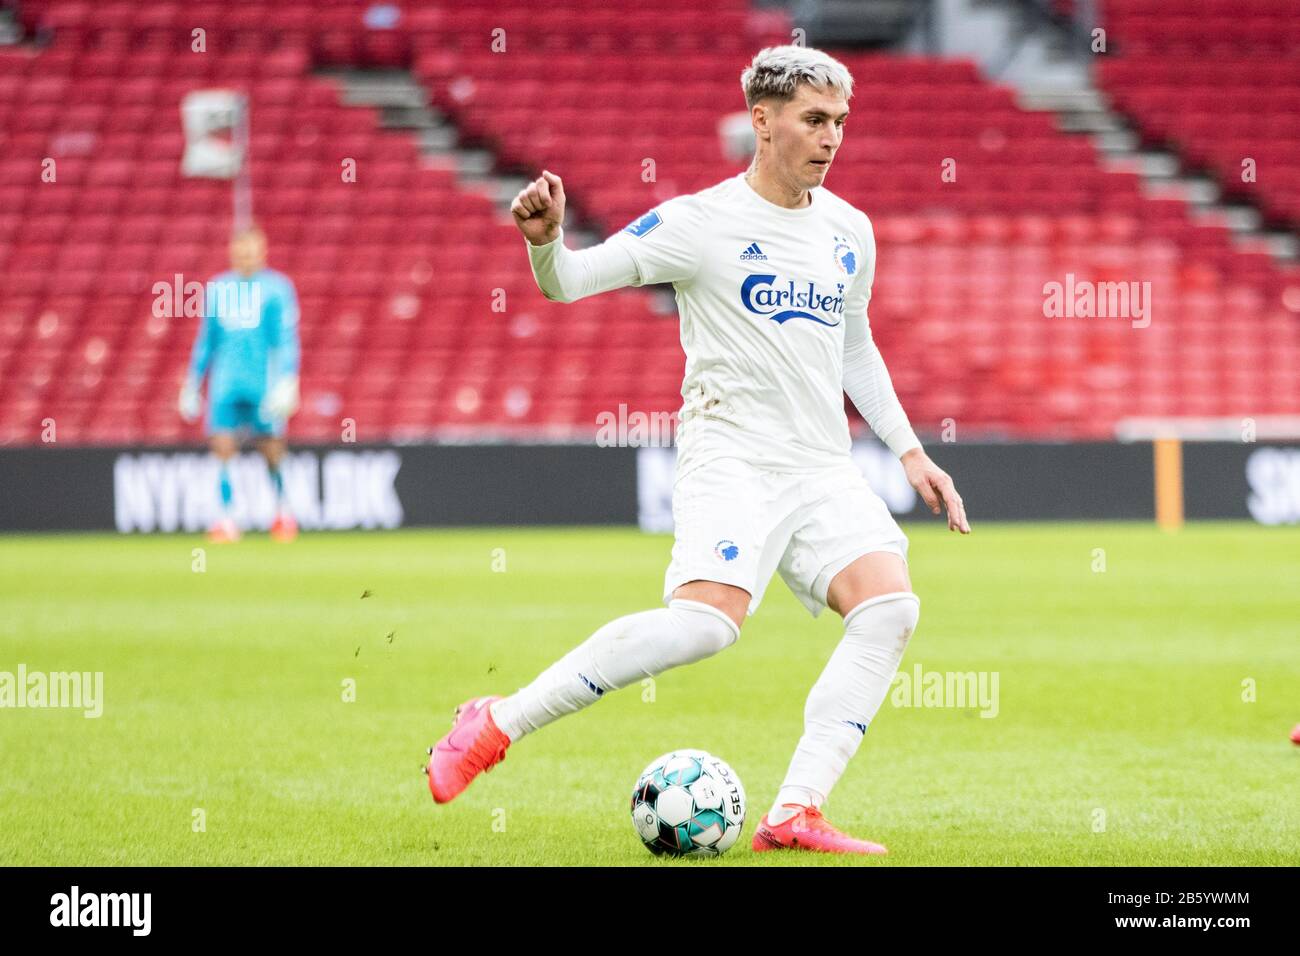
(190,403)
(282,401)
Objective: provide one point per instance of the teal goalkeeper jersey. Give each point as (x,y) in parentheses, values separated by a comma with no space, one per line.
(248,337)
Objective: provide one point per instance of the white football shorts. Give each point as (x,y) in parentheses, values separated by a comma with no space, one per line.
(736,524)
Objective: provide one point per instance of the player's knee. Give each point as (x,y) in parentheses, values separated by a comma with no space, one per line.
(731,601)
(272,450)
(703,627)
(223,446)
(886,618)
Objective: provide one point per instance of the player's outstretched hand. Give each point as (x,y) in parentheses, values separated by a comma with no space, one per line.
(190,403)
(539,209)
(282,401)
(934,486)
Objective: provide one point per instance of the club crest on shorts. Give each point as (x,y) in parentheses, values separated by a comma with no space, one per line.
(726,550)
(846,260)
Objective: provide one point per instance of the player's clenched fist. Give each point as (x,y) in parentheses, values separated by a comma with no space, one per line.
(539,209)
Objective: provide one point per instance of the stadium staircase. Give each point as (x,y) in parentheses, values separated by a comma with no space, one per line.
(1218,83)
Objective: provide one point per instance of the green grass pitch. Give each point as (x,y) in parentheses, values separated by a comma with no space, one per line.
(1143,711)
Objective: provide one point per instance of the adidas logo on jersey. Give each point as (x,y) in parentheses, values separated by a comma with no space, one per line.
(752,253)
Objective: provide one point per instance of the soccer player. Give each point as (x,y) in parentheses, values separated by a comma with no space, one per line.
(772,273)
(248,341)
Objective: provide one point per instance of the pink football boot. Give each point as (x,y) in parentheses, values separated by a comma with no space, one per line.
(223,531)
(475,744)
(284,528)
(808,830)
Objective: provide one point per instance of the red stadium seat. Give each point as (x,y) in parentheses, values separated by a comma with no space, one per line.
(399,271)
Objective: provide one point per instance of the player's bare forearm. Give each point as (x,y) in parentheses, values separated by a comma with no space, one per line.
(539,209)
(935,487)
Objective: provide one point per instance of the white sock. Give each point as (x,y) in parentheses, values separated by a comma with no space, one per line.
(796,795)
(630,648)
(847,695)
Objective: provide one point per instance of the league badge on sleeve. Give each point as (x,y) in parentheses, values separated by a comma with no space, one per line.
(645,225)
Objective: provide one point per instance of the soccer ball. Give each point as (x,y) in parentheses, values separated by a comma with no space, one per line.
(688,803)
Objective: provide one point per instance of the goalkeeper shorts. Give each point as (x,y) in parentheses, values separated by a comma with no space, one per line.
(242,413)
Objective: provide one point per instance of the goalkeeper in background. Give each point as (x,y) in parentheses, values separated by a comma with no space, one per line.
(248,342)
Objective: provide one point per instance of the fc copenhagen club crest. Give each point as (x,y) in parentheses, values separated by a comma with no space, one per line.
(846,260)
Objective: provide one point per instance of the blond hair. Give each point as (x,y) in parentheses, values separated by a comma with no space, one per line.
(777,71)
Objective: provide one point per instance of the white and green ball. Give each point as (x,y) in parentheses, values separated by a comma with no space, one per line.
(688,803)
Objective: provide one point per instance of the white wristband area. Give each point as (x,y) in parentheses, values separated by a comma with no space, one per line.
(902,440)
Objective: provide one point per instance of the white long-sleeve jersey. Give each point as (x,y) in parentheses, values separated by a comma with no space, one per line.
(773,306)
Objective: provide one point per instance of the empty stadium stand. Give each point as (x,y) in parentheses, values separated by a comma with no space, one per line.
(1218,81)
(420,314)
